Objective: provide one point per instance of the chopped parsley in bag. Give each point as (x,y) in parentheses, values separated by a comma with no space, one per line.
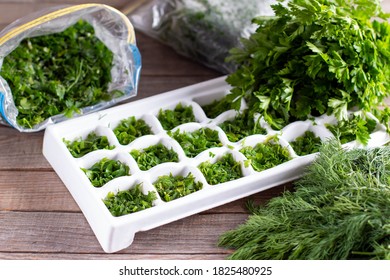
(81,60)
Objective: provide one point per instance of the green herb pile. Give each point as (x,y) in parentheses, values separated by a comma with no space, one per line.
(131,128)
(223,170)
(92,142)
(154,155)
(315,57)
(58,73)
(172,118)
(306,144)
(266,155)
(171,187)
(193,143)
(217,107)
(242,126)
(340,209)
(129,201)
(105,170)
(354,128)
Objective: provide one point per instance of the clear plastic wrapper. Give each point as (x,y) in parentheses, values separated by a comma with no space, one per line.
(200,29)
(110,26)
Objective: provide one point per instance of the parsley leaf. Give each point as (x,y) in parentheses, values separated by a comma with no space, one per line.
(172,187)
(306,144)
(217,107)
(154,155)
(129,201)
(315,57)
(266,155)
(354,128)
(58,73)
(223,170)
(131,128)
(193,143)
(242,126)
(92,142)
(172,118)
(105,170)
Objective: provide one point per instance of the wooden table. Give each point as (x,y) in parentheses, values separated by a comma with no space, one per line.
(39,218)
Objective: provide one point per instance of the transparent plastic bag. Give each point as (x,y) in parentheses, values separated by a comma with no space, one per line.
(110,26)
(204,30)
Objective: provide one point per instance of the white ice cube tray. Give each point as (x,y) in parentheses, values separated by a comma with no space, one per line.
(116,233)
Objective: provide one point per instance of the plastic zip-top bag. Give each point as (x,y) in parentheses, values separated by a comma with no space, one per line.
(64,62)
(203,30)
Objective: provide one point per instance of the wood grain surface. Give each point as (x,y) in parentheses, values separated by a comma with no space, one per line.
(40,220)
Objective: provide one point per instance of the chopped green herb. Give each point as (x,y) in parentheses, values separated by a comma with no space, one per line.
(105,170)
(197,141)
(129,201)
(355,128)
(217,107)
(315,57)
(131,128)
(223,170)
(172,187)
(339,210)
(242,126)
(58,73)
(93,142)
(266,155)
(154,155)
(306,144)
(172,118)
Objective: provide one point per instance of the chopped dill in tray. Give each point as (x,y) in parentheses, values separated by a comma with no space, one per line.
(105,170)
(131,128)
(217,107)
(171,187)
(355,128)
(93,142)
(58,73)
(306,144)
(266,155)
(242,126)
(154,155)
(172,118)
(223,170)
(129,201)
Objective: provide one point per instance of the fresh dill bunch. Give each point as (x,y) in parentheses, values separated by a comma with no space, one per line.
(340,209)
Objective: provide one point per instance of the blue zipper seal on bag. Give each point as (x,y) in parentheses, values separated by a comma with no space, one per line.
(2,111)
(137,66)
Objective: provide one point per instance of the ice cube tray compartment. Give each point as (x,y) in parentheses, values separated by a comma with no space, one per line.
(117,233)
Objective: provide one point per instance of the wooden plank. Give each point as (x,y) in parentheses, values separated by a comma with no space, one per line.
(42,232)
(44,191)
(34,191)
(162,60)
(62,256)
(21,150)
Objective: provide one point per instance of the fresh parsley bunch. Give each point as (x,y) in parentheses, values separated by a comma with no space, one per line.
(315,57)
